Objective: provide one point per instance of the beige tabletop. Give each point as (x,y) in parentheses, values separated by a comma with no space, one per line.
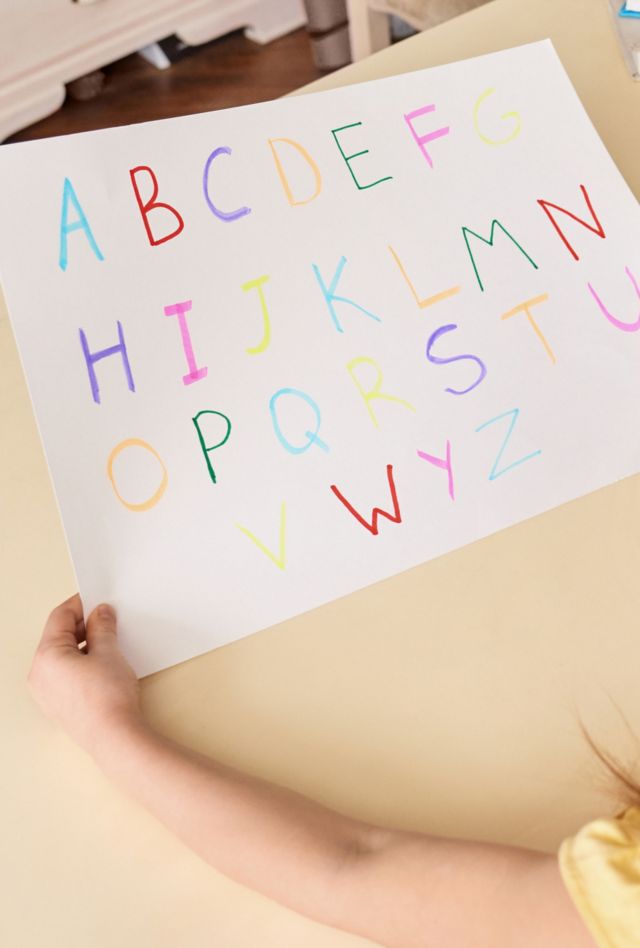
(444,699)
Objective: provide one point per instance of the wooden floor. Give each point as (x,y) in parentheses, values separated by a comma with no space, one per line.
(229,71)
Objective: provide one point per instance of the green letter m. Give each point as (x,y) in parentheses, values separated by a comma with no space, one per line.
(466,232)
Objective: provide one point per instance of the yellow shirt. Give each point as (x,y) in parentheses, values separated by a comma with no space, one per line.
(600,866)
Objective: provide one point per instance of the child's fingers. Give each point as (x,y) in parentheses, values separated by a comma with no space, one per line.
(80,630)
(64,627)
(101,629)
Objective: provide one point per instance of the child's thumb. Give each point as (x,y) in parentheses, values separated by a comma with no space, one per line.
(101,629)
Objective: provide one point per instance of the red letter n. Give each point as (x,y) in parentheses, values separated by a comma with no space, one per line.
(373,526)
(598,229)
(151,204)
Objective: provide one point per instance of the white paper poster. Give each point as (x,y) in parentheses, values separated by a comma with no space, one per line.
(280,352)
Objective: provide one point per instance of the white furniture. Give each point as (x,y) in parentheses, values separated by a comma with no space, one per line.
(369,19)
(369,30)
(47,43)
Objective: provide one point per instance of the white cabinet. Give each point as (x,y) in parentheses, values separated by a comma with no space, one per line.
(47,43)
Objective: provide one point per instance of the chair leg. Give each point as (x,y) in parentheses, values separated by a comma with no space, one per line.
(369,30)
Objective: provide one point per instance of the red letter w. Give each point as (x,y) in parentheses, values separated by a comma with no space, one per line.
(376,512)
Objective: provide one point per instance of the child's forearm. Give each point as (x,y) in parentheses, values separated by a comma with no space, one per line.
(404,890)
(263,836)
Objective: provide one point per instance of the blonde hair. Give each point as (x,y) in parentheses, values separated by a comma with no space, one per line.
(623,782)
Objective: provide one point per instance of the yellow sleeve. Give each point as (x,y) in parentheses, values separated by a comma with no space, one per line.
(600,866)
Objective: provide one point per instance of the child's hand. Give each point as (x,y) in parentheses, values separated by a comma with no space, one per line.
(89,691)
